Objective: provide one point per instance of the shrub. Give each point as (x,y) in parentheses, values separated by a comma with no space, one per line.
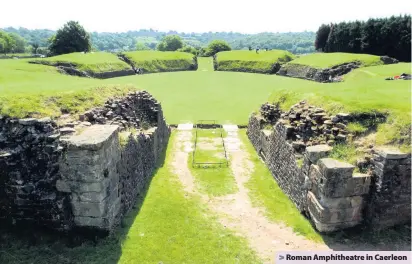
(170,43)
(217,46)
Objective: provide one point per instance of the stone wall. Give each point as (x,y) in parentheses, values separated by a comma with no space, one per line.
(30,150)
(324,75)
(389,201)
(326,190)
(83,173)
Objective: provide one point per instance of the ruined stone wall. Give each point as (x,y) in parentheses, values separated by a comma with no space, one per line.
(389,201)
(80,174)
(326,190)
(280,158)
(30,150)
(324,75)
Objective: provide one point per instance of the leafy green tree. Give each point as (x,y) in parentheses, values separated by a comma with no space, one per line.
(170,43)
(7,42)
(141,46)
(19,43)
(321,37)
(72,37)
(217,46)
(3,45)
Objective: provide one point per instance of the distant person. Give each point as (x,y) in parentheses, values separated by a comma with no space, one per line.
(250,48)
(257,50)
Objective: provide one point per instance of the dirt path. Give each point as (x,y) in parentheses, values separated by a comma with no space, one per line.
(264,236)
(236,212)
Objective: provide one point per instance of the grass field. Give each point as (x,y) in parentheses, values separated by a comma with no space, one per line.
(156,61)
(229,97)
(327,60)
(250,61)
(91,62)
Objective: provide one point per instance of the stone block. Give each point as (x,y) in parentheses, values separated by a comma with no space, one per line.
(315,153)
(331,219)
(391,154)
(88,209)
(337,187)
(93,137)
(340,203)
(331,168)
(96,209)
(86,187)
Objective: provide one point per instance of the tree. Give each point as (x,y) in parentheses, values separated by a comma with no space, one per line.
(170,43)
(72,37)
(321,37)
(141,46)
(7,42)
(35,46)
(217,46)
(19,43)
(2,45)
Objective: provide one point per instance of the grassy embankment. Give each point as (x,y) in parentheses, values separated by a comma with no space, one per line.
(228,97)
(250,61)
(96,62)
(156,61)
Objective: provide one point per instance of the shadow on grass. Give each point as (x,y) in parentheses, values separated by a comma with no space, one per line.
(34,244)
(362,238)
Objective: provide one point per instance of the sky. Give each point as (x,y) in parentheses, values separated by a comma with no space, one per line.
(251,16)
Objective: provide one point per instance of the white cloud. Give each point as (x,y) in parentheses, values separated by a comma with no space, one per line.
(194,16)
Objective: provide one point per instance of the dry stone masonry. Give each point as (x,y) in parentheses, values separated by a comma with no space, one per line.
(328,191)
(332,74)
(82,174)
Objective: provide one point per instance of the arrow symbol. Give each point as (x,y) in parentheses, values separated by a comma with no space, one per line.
(281,257)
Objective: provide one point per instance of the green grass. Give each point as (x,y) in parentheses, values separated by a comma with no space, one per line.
(356,128)
(365,90)
(345,153)
(264,192)
(170,227)
(250,61)
(213,179)
(229,97)
(327,60)
(96,62)
(158,61)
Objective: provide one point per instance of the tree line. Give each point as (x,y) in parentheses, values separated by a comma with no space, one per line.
(379,36)
(12,43)
(296,42)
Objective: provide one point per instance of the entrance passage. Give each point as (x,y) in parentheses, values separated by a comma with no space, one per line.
(209,146)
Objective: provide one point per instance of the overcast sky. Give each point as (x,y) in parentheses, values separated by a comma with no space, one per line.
(194,16)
